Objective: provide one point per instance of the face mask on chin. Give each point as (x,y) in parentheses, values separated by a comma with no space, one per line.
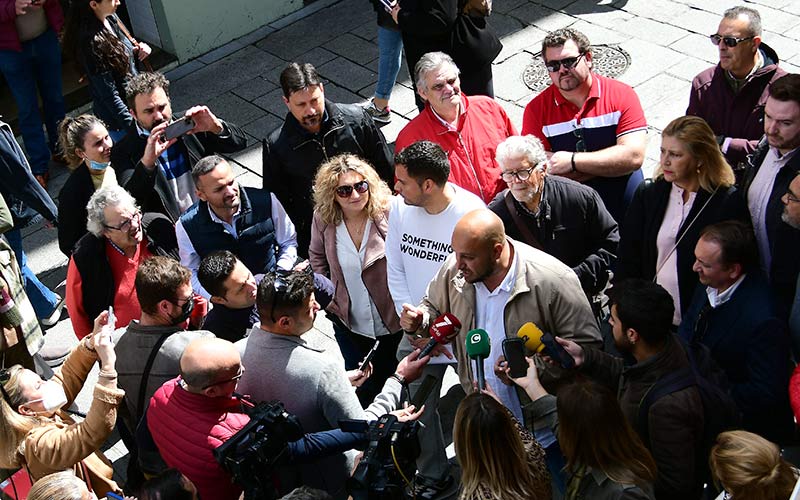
(97,165)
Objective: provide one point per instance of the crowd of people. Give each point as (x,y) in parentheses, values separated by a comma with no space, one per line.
(668,309)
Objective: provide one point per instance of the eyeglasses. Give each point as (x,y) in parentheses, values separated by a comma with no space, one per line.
(730,41)
(347,190)
(580,145)
(791,198)
(522,175)
(125,226)
(232,379)
(568,63)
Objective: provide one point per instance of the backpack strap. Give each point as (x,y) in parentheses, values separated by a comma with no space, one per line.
(527,235)
(667,384)
(146,375)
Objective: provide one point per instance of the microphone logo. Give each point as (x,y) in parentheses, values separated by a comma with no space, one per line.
(476,338)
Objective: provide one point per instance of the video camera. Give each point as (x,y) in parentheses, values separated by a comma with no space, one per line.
(389,462)
(253,452)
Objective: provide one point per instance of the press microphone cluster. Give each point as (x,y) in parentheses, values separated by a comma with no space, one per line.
(478,349)
(443,330)
(538,341)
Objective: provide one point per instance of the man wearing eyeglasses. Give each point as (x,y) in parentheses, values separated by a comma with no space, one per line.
(554,214)
(593,127)
(468,128)
(791,216)
(731,95)
(103,266)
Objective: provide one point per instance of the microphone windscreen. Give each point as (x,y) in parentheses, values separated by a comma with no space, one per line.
(478,345)
(445,328)
(532,336)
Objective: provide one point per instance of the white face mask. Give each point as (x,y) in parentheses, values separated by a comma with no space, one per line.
(53,397)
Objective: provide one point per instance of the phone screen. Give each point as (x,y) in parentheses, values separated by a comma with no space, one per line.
(514,352)
(369,356)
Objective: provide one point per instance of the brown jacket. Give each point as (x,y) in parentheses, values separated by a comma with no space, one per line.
(322,255)
(546,292)
(60,443)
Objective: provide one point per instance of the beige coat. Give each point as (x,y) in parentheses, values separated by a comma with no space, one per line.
(546,292)
(61,444)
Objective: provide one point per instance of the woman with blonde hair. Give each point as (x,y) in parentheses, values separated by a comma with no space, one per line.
(87,148)
(693,188)
(499,458)
(35,433)
(748,467)
(348,233)
(62,485)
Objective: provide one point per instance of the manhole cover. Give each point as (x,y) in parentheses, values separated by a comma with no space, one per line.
(609,60)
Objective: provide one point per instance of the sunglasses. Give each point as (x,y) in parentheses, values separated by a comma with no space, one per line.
(347,190)
(580,144)
(730,41)
(568,63)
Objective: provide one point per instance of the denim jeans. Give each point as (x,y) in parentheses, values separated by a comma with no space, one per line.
(42,299)
(390,45)
(37,66)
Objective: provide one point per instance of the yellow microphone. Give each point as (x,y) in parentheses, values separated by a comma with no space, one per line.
(532,336)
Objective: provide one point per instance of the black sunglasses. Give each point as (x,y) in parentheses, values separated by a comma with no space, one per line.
(568,62)
(580,144)
(346,191)
(730,41)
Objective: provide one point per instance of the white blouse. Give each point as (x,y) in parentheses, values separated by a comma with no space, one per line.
(667,265)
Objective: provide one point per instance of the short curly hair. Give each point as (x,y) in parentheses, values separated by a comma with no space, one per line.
(145,82)
(327,179)
(106,196)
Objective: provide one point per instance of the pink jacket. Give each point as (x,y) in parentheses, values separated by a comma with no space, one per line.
(9,40)
(322,255)
(482,126)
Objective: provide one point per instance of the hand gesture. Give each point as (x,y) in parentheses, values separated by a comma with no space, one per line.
(156,145)
(204,120)
(501,370)
(410,367)
(408,414)
(410,318)
(530,382)
(358,377)
(573,349)
(143,50)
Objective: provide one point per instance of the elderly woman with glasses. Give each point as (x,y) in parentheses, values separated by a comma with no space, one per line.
(351,208)
(38,435)
(103,267)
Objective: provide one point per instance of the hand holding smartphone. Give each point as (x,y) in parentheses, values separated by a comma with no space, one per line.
(514,352)
(178,128)
(368,358)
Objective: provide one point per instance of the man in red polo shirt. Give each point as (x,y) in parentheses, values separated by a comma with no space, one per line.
(467,128)
(594,127)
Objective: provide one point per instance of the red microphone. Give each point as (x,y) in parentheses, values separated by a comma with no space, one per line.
(443,330)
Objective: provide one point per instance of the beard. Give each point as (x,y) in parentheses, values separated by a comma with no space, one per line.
(787,219)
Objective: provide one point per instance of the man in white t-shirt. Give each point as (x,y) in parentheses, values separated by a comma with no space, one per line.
(421,223)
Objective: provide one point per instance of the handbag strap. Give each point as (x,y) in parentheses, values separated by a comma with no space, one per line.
(675,246)
(146,374)
(130,38)
(527,234)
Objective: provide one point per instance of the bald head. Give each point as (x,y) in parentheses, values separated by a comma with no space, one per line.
(207,361)
(483,226)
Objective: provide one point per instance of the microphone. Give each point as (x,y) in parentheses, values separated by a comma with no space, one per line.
(538,341)
(443,330)
(478,349)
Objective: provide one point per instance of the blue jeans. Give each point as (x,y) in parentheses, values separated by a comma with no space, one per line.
(390,45)
(37,66)
(42,299)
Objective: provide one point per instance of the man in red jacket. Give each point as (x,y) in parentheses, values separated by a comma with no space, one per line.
(467,128)
(731,95)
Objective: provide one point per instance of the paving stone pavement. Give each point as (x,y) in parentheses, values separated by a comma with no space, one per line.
(667,41)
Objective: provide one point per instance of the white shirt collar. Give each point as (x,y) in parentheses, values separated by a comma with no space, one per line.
(716,299)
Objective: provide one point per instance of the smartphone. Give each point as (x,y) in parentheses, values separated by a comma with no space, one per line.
(112,320)
(178,128)
(557,351)
(425,388)
(514,352)
(369,356)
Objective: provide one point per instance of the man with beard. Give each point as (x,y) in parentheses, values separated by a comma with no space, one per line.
(641,319)
(314,131)
(467,128)
(498,284)
(103,266)
(771,168)
(249,222)
(156,171)
(593,126)
(554,214)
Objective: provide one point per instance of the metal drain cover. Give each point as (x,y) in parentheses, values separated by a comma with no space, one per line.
(609,60)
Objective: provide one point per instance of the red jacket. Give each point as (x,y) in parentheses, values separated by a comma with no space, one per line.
(187,427)
(481,127)
(9,40)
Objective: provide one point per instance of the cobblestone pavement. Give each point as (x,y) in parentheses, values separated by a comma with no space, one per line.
(666,41)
